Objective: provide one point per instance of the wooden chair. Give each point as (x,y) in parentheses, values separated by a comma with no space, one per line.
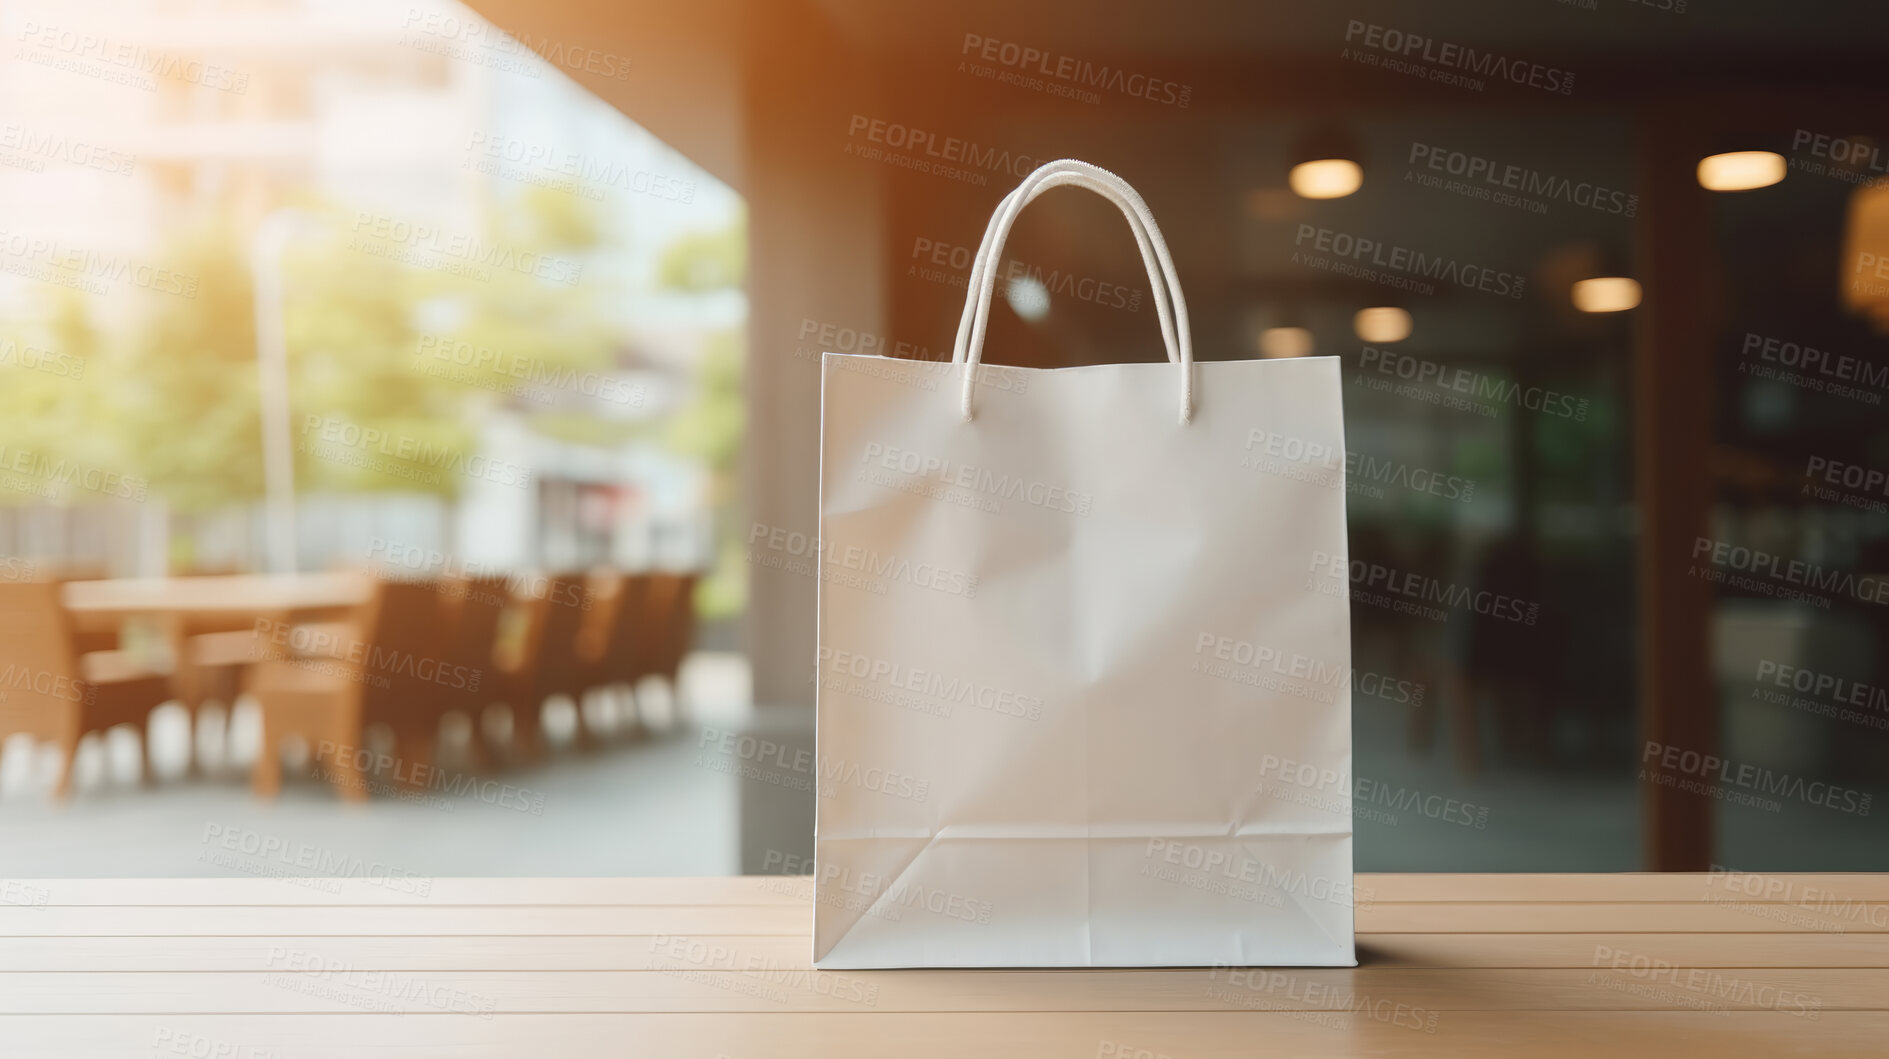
(614,651)
(50,691)
(207,654)
(545,661)
(210,657)
(670,604)
(210,652)
(385,670)
(100,637)
(213,655)
(470,611)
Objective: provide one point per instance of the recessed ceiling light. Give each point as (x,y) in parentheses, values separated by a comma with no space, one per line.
(1741,170)
(1606,294)
(1383,323)
(1326,178)
(1280,342)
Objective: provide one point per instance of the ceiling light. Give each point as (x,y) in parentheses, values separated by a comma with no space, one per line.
(1326,178)
(1606,294)
(1741,170)
(1383,323)
(1279,342)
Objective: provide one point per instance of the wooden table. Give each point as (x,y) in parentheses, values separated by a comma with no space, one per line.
(1620,966)
(96,604)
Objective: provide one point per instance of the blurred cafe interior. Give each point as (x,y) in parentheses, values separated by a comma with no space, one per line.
(409,413)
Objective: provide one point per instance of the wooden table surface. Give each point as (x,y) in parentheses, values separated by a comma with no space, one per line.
(236,595)
(383,964)
(201,603)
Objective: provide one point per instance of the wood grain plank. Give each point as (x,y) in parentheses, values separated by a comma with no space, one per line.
(794,919)
(632,952)
(314,980)
(1546,917)
(415,953)
(1463,966)
(1789,889)
(1582,950)
(248,920)
(1105,1035)
(415,890)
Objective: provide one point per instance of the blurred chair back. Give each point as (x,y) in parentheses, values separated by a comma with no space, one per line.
(48,690)
(100,635)
(619,651)
(547,661)
(471,609)
(39,678)
(384,665)
(403,650)
(470,612)
(557,620)
(671,606)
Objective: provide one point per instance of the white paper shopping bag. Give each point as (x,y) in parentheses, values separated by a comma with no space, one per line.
(1084,659)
